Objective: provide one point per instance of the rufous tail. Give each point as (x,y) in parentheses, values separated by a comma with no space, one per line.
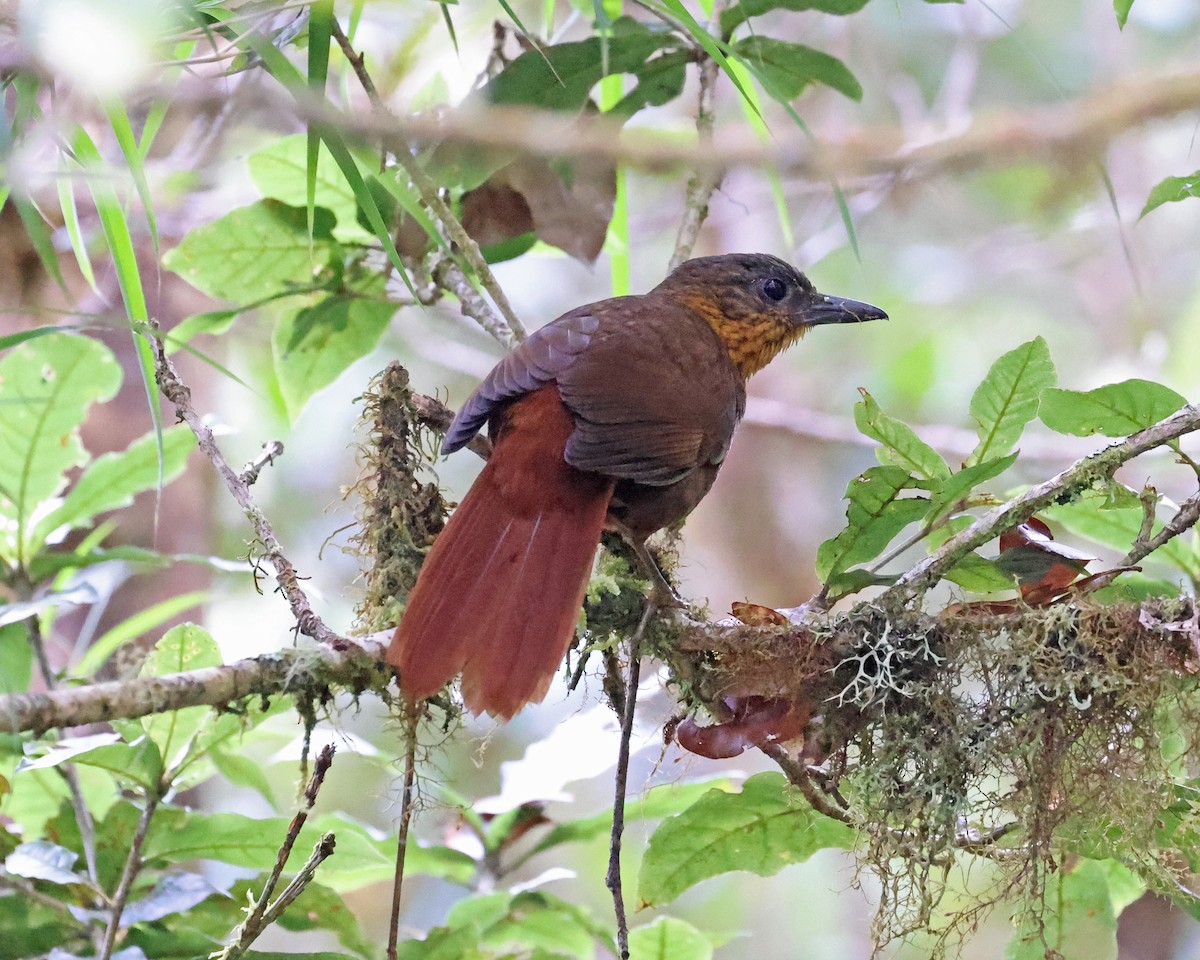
(498,597)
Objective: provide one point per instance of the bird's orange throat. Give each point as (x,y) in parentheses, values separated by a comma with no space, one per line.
(752,342)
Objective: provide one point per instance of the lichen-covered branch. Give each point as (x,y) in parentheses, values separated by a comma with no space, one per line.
(355,668)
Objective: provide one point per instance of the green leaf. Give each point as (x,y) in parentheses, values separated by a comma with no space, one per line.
(139,761)
(16,659)
(141,622)
(901,447)
(1008,398)
(182,648)
(321,908)
(739,13)
(762,829)
(255,251)
(786,69)
(1121,8)
(661,801)
(1090,517)
(1114,410)
(980,575)
(561,77)
(533,920)
(110,481)
(957,486)
(669,939)
(313,346)
(46,387)
(876,513)
(1172,190)
(212,322)
(280,172)
(241,770)
(1079,918)
(39,237)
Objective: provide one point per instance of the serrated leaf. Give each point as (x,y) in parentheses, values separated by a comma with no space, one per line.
(313,346)
(1114,410)
(762,829)
(1008,398)
(876,513)
(668,938)
(46,387)
(1172,190)
(901,446)
(110,481)
(739,13)
(786,69)
(255,251)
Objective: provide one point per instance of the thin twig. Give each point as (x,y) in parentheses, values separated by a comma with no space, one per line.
(613,879)
(406,805)
(133,866)
(702,183)
(1097,468)
(433,413)
(263,913)
(1186,518)
(271,451)
(178,393)
(508,330)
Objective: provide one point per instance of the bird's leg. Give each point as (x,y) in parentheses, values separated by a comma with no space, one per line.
(662,594)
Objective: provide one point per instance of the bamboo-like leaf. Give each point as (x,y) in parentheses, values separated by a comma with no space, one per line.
(66,202)
(39,236)
(131,150)
(320,34)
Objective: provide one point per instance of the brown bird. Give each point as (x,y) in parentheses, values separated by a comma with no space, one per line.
(620,411)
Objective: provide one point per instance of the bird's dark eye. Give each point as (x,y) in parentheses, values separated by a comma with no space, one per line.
(774,289)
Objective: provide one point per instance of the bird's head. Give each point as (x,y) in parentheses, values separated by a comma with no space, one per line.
(757,304)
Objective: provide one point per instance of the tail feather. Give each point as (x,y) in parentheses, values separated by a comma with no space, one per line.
(499,594)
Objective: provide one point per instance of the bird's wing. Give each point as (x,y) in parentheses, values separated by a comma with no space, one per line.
(537,361)
(655,395)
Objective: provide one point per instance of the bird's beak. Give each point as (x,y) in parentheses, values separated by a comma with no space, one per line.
(827,309)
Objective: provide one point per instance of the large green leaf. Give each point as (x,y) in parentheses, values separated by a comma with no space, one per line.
(279,170)
(255,252)
(1008,398)
(561,77)
(111,480)
(900,446)
(313,346)
(875,514)
(46,387)
(763,829)
(1114,410)
(529,921)
(786,69)
(739,13)
(16,659)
